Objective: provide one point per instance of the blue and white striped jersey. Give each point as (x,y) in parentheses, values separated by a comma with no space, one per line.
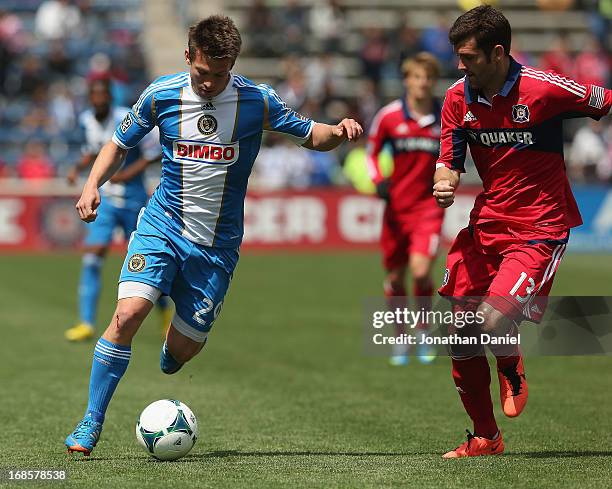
(209,147)
(131,194)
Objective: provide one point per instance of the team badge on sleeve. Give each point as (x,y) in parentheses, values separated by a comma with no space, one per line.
(137,263)
(125,123)
(207,124)
(520,113)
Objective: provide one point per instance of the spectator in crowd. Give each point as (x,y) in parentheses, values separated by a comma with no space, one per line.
(293,89)
(58,61)
(262,30)
(589,153)
(57,19)
(593,64)
(327,23)
(324,75)
(293,19)
(31,76)
(373,54)
(61,107)
(559,58)
(406,44)
(434,39)
(34,163)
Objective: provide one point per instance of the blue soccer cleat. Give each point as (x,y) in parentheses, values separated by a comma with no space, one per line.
(84,437)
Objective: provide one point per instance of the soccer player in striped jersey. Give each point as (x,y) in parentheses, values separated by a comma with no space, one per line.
(188,236)
(124,196)
(412,220)
(511,116)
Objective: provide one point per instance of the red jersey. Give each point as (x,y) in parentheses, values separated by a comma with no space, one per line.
(415,145)
(517,145)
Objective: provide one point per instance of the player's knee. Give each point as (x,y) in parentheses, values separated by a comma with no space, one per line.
(128,318)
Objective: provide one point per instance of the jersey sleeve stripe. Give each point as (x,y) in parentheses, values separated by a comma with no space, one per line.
(559,81)
(575,92)
(554,76)
(119,143)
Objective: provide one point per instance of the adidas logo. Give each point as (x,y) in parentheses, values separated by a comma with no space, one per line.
(208,106)
(469,117)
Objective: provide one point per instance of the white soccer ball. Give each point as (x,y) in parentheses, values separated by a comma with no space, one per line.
(167,429)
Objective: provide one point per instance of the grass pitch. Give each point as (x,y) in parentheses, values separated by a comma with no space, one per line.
(283,393)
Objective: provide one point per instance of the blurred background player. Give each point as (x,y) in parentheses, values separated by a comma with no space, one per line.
(187,239)
(125,194)
(504,263)
(412,220)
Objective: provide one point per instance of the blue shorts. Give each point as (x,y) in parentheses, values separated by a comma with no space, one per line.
(100,232)
(196,277)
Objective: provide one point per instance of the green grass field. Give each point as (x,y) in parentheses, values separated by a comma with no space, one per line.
(284,394)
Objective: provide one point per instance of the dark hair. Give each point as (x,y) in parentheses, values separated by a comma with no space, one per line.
(100,81)
(487,25)
(216,37)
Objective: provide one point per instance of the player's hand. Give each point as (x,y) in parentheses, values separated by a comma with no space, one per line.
(382,189)
(72,175)
(444,193)
(88,204)
(348,128)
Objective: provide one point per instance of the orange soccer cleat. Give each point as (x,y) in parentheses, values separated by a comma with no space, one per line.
(513,389)
(477,446)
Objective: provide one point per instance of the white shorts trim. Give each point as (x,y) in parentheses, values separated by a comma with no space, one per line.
(188,330)
(138,289)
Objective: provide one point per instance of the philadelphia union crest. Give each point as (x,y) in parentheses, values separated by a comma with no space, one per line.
(136,263)
(520,113)
(207,124)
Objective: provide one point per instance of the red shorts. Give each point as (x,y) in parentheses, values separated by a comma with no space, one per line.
(514,271)
(407,233)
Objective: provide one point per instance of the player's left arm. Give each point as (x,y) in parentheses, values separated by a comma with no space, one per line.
(574,99)
(278,117)
(325,137)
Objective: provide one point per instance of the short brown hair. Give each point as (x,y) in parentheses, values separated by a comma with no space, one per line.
(216,37)
(485,24)
(424,59)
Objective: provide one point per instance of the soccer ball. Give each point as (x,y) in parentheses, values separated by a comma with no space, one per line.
(167,429)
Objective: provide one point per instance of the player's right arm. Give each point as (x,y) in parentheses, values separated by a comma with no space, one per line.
(453,147)
(376,140)
(109,160)
(136,124)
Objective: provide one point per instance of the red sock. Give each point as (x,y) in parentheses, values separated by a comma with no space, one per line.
(396,298)
(507,355)
(422,295)
(472,378)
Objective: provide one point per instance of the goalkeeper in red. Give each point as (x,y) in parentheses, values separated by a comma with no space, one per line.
(412,221)
(511,116)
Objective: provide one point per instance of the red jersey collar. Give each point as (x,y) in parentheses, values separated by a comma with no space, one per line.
(514,71)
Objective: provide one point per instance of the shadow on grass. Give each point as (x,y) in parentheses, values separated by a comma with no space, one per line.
(562,454)
(305,453)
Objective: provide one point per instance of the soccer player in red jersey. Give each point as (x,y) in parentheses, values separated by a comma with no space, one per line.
(412,220)
(511,117)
